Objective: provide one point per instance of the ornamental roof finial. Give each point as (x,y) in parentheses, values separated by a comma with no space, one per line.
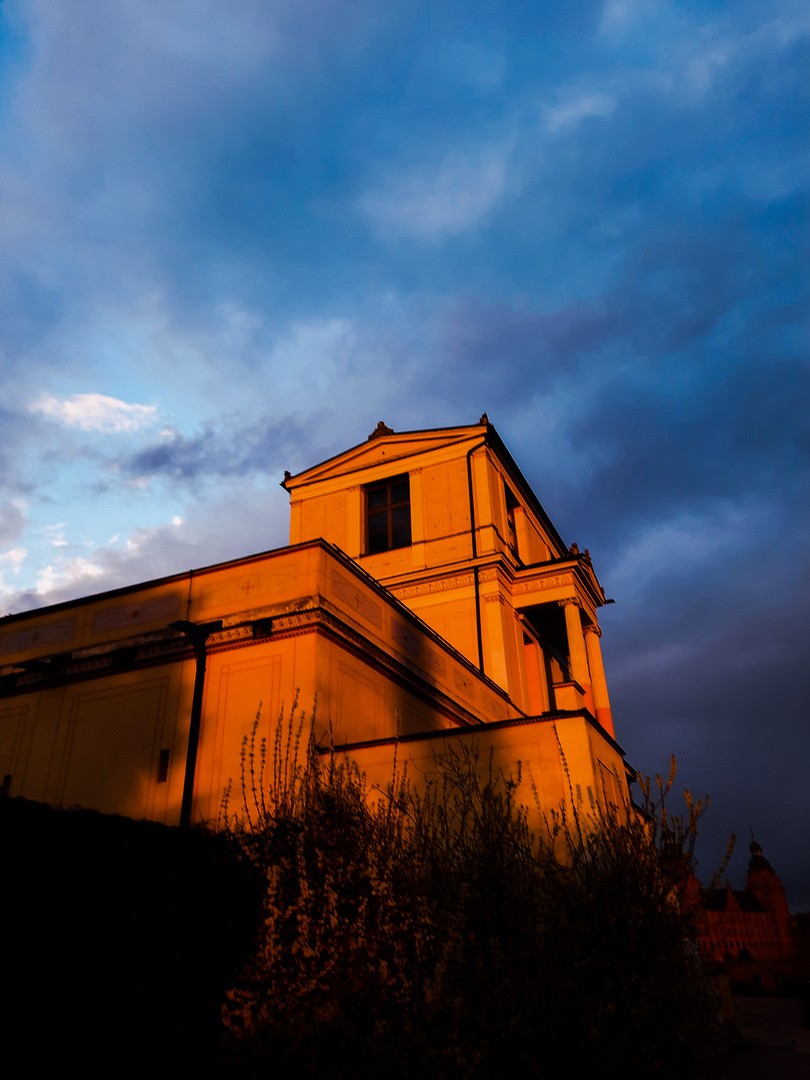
(380,430)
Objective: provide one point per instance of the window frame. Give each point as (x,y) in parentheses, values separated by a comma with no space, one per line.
(388,508)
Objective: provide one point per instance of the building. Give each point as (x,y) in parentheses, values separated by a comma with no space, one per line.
(746,932)
(425,597)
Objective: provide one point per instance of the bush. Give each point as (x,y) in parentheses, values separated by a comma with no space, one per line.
(429,933)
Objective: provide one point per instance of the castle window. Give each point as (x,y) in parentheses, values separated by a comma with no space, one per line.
(388,514)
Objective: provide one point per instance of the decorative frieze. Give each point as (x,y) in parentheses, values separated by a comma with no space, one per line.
(490,573)
(230,634)
(295,621)
(431,587)
(543,581)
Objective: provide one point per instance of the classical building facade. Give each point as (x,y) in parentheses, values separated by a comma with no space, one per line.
(425,596)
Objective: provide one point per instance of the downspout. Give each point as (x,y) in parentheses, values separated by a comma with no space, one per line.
(197,635)
(475,556)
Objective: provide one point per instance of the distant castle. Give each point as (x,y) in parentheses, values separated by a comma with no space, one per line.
(425,599)
(747,932)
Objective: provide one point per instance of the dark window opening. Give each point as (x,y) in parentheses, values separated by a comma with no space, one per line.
(163,767)
(388,510)
(511,505)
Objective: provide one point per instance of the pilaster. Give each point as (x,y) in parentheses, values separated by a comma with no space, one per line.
(355,522)
(417,519)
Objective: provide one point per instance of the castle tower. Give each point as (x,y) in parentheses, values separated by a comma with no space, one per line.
(764,883)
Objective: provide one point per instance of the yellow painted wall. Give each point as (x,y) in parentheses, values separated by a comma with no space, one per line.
(529,750)
(96,740)
(97,743)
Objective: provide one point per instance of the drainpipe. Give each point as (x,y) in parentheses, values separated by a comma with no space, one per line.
(475,556)
(197,634)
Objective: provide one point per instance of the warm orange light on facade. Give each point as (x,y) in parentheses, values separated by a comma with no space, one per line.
(425,596)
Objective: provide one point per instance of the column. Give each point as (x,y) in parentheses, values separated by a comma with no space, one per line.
(576,648)
(598,684)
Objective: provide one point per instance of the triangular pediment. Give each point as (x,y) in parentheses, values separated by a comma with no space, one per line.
(385,449)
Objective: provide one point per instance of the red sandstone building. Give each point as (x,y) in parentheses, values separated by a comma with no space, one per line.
(747,932)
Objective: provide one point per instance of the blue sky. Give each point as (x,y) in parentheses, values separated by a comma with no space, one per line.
(234,237)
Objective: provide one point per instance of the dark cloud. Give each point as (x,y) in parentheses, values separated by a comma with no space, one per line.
(233,447)
(685,385)
(678,388)
(714,670)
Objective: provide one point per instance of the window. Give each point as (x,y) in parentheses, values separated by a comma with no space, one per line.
(388,507)
(511,505)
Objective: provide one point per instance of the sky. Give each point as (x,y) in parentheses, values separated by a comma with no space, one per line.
(236,236)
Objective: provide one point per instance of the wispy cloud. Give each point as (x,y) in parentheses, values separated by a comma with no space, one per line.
(435,202)
(95,412)
(720,53)
(12,560)
(684,545)
(575,108)
(56,534)
(619,16)
(15,558)
(68,573)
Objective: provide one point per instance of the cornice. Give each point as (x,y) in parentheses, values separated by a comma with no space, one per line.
(121,658)
(559,716)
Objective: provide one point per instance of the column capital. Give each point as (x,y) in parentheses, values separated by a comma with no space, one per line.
(570,600)
(592,628)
